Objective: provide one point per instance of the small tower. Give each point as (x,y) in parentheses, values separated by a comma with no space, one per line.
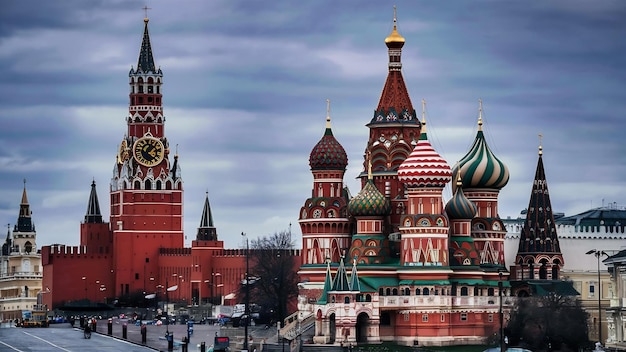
(482,176)
(324,217)
(539,254)
(206,230)
(424,228)
(95,234)
(370,209)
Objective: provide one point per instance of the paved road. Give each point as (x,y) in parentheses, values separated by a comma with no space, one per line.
(63,337)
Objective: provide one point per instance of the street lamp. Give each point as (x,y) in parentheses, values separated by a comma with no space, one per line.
(501,313)
(247,308)
(84,278)
(598,253)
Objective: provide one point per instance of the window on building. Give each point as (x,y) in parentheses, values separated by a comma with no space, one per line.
(490,318)
(463,316)
(425,318)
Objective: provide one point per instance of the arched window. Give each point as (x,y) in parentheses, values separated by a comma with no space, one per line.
(346,299)
(148,184)
(28,247)
(425,291)
(490,292)
(368,298)
(464,291)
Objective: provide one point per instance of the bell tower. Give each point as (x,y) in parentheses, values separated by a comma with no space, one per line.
(146,190)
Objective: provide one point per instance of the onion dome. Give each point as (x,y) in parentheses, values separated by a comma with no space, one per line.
(328,154)
(459,207)
(479,167)
(424,167)
(369,201)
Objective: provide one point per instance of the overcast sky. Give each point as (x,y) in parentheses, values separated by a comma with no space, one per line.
(245,89)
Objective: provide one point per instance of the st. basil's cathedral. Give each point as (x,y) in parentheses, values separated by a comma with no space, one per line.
(393,263)
(396,262)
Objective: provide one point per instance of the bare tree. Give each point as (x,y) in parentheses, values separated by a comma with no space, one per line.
(550,322)
(273,277)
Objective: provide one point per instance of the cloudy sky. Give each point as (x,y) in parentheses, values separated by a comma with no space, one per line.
(245,89)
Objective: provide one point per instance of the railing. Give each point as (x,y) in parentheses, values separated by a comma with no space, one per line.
(295,327)
(21,274)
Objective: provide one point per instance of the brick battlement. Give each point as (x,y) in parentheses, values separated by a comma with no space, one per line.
(175,251)
(60,249)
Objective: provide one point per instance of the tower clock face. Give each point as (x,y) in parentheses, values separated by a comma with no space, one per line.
(148,151)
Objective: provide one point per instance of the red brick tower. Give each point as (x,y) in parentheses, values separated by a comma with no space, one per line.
(146,191)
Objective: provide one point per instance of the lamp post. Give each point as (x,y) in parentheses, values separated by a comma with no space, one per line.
(84,278)
(247,303)
(598,253)
(501,313)
(167,303)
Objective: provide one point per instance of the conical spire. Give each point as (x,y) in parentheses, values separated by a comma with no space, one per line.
(355,285)
(93,215)
(328,283)
(146,61)
(395,104)
(6,246)
(206,230)
(24,221)
(539,234)
(341,283)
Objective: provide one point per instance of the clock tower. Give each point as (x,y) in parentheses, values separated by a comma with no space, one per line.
(146,190)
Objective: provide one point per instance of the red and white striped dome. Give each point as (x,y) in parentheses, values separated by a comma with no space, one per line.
(424,167)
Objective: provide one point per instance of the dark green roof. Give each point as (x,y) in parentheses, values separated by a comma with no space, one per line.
(377,282)
(546,287)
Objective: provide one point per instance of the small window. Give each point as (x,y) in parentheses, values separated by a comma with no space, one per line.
(443,318)
(463,316)
(490,318)
(424,318)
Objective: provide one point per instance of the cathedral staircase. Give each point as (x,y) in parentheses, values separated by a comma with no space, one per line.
(294,326)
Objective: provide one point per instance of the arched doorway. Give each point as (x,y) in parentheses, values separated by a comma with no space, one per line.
(332,328)
(362,322)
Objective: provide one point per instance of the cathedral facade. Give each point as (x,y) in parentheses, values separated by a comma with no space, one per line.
(395,262)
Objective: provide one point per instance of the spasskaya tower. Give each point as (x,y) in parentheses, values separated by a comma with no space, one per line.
(146,189)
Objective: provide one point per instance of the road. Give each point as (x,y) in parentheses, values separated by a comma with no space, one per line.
(63,337)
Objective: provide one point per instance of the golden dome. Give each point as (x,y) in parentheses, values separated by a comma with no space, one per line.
(394,37)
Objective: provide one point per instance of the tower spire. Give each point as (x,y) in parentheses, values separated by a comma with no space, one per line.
(327,114)
(146,60)
(24,221)
(93,215)
(206,230)
(480,114)
(539,234)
